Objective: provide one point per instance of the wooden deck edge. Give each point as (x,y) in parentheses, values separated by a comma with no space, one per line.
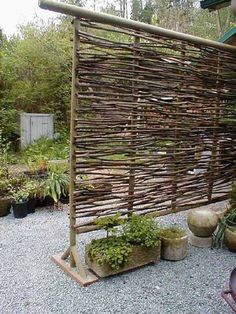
(90,279)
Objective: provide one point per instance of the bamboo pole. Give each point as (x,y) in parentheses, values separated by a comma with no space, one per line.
(122,22)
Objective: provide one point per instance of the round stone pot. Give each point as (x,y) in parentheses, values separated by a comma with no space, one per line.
(202,222)
(174,249)
(230,238)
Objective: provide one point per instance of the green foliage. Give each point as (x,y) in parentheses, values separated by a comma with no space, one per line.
(4,155)
(20,196)
(232,197)
(142,231)
(4,187)
(109,223)
(44,149)
(113,251)
(35,71)
(56,185)
(172,232)
(32,187)
(228,220)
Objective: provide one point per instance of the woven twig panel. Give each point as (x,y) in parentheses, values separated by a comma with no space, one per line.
(154,128)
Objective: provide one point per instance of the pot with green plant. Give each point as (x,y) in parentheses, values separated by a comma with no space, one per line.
(20,203)
(174,243)
(226,232)
(56,185)
(130,243)
(32,187)
(5,198)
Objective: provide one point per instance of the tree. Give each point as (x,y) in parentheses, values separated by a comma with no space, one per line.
(36,68)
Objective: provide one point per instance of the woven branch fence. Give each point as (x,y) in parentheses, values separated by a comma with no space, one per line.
(153,124)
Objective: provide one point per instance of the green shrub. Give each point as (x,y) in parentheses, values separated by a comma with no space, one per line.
(112,250)
(141,230)
(115,250)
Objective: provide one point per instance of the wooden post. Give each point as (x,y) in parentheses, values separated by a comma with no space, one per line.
(82,276)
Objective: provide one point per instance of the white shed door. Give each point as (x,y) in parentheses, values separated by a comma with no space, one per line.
(40,126)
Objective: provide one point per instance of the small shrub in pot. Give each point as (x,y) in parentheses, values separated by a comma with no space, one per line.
(20,203)
(174,243)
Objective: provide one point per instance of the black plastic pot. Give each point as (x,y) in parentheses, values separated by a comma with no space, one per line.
(64,199)
(31,205)
(20,210)
(44,202)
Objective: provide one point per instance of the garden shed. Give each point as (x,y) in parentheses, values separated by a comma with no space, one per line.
(35,125)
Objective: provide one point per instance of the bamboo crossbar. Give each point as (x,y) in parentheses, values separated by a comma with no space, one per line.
(103,18)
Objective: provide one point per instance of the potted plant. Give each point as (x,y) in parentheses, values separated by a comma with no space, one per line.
(32,187)
(134,244)
(56,185)
(174,243)
(19,205)
(226,232)
(5,198)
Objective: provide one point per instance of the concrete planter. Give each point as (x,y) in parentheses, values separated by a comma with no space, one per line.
(202,222)
(174,249)
(230,238)
(139,256)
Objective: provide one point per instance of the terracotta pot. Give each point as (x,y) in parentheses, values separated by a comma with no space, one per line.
(230,238)
(174,249)
(5,205)
(202,222)
(139,256)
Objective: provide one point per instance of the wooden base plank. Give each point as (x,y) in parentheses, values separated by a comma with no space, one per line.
(90,278)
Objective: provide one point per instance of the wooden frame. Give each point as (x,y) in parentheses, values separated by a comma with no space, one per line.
(130,96)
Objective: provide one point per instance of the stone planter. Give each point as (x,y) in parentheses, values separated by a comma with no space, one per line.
(5,205)
(174,249)
(230,238)
(139,256)
(202,222)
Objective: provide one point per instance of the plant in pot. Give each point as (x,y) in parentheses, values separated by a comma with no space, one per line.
(134,244)
(174,243)
(226,232)
(56,185)
(20,203)
(62,171)
(5,197)
(32,187)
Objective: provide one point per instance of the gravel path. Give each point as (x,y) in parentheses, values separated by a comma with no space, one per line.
(31,283)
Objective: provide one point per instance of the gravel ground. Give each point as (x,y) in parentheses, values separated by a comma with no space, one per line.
(31,283)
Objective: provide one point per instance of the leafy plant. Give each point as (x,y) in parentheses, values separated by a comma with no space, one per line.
(113,250)
(142,231)
(56,185)
(172,232)
(32,187)
(20,196)
(228,219)
(4,155)
(109,223)
(4,187)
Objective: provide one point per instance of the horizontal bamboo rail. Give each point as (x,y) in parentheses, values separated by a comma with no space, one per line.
(103,18)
